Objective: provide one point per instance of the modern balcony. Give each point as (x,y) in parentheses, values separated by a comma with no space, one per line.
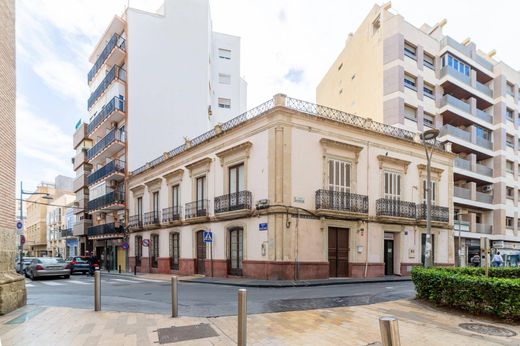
(172,214)
(197,209)
(462,192)
(450,130)
(116,73)
(483,228)
(106,231)
(79,183)
(152,218)
(115,42)
(465,108)
(65,233)
(484,197)
(439,214)
(233,202)
(477,89)
(135,221)
(479,168)
(113,111)
(388,207)
(112,200)
(112,171)
(79,159)
(471,198)
(80,227)
(113,142)
(340,203)
(80,135)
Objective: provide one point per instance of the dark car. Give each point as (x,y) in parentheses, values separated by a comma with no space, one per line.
(78,264)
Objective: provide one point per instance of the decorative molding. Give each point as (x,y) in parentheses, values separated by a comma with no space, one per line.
(329,143)
(202,165)
(435,170)
(138,190)
(243,147)
(393,160)
(174,177)
(154,184)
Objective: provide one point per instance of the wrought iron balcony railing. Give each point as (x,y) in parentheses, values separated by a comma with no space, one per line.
(115,41)
(66,233)
(394,207)
(112,136)
(341,201)
(233,201)
(116,72)
(197,209)
(439,214)
(171,214)
(107,228)
(115,104)
(152,218)
(114,166)
(114,197)
(135,221)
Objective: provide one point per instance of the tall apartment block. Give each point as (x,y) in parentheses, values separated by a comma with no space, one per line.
(419,78)
(157,80)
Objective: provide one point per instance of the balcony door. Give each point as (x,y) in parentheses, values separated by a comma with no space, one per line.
(201,195)
(139,211)
(236,185)
(175,200)
(338,252)
(339,173)
(155,207)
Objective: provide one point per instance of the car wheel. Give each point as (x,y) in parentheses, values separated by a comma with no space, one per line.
(31,275)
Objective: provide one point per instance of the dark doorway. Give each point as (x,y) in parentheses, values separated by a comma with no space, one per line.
(338,252)
(201,253)
(389,257)
(236,246)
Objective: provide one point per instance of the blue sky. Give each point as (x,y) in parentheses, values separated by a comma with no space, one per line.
(287,45)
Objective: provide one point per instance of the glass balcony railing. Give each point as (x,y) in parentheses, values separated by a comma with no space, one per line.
(461,163)
(484,143)
(484,170)
(448,41)
(483,228)
(107,228)
(116,103)
(455,102)
(456,132)
(115,41)
(114,166)
(484,89)
(462,192)
(484,197)
(484,116)
(448,70)
(116,72)
(111,198)
(112,136)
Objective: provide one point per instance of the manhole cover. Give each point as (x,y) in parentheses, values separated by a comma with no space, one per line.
(177,334)
(487,329)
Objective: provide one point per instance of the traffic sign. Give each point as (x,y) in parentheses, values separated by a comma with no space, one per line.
(207,236)
(262,226)
(22,239)
(125,246)
(19,225)
(146,242)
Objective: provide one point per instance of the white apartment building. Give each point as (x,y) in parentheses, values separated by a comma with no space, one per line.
(60,218)
(157,80)
(417,78)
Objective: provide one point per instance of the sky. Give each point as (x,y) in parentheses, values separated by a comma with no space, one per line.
(286,46)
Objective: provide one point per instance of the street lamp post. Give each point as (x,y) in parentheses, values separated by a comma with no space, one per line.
(429,136)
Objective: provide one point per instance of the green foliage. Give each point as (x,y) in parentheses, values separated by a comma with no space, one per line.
(468,289)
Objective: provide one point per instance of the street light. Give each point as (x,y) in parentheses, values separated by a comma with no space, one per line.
(431,137)
(22,192)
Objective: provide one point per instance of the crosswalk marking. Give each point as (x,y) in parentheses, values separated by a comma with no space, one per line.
(123,280)
(51,283)
(28,285)
(79,282)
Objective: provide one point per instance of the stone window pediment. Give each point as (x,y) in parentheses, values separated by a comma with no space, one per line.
(330,146)
(154,184)
(435,172)
(199,167)
(236,153)
(175,177)
(138,191)
(393,162)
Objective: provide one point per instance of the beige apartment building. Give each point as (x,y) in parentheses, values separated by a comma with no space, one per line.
(290,190)
(36,220)
(60,215)
(419,78)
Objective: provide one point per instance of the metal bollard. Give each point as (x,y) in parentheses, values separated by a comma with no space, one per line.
(175,300)
(389,331)
(242,317)
(97,290)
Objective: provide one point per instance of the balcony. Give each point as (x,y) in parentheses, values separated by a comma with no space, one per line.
(484,170)
(439,214)
(116,41)
(479,168)
(484,116)
(135,221)
(171,214)
(113,111)
(455,102)
(107,230)
(80,135)
(64,233)
(233,202)
(112,200)
(79,183)
(450,72)
(462,192)
(152,218)
(80,228)
(455,132)
(115,73)
(483,229)
(79,159)
(342,202)
(467,51)
(484,197)
(115,170)
(116,136)
(461,163)
(197,209)
(395,208)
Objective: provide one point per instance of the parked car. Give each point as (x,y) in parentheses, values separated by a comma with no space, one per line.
(48,266)
(26,262)
(78,264)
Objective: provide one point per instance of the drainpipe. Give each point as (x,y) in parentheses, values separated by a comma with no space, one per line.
(368,178)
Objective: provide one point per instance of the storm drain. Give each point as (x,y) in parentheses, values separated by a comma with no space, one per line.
(487,329)
(177,334)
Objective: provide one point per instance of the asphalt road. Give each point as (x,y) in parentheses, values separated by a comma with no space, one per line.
(126,293)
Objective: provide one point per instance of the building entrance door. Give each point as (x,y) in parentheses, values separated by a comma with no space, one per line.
(235,251)
(389,257)
(338,252)
(201,253)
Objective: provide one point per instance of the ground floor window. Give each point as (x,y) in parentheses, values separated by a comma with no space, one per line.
(138,249)
(174,251)
(236,251)
(155,250)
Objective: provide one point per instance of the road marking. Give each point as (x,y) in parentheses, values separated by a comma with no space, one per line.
(123,280)
(51,283)
(389,287)
(78,282)
(28,285)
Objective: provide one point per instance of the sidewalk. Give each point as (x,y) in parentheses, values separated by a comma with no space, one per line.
(418,325)
(245,282)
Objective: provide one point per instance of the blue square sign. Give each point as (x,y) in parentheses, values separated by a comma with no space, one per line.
(207,236)
(262,226)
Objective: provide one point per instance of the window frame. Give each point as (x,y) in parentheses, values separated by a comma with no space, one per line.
(393,190)
(225,55)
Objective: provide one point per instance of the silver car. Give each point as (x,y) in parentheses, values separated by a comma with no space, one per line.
(48,266)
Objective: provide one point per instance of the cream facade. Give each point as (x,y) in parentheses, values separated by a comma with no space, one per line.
(290,190)
(417,78)
(60,217)
(36,220)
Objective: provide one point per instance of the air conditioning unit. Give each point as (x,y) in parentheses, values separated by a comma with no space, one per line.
(262,204)
(487,188)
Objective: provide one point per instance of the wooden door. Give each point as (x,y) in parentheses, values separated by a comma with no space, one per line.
(338,252)
(236,251)
(201,253)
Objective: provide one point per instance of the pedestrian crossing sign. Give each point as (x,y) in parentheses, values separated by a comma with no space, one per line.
(207,236)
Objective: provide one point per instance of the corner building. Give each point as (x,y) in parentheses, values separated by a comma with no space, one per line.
(290,190)
(417,78)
